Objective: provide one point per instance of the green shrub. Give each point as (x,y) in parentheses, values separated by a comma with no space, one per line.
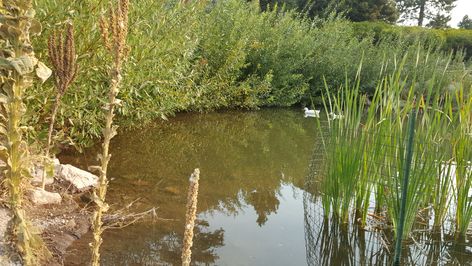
(449,39)
(458,39)
(226,54)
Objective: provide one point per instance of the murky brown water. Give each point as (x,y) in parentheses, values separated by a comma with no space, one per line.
(253,208)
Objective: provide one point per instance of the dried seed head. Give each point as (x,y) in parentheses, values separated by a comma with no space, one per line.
(114,30)
(103,24)
(190,216)
(63,58)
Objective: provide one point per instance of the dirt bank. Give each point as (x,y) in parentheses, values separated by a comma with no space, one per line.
(59,224)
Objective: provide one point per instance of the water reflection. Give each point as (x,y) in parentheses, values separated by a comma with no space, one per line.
(329,243)
(255,206)
(252,164)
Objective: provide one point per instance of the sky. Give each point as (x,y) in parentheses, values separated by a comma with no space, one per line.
(463,7)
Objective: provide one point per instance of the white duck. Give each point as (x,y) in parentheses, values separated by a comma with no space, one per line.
(311,113)
(334,116)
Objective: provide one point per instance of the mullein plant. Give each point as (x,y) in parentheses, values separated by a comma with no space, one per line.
(18,65)
(63,58)
(114,30)
(190,216)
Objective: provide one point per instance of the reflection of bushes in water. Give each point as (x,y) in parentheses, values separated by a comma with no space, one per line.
(233,133)
(203,250)
(239,152)
(265,202)
(157,243)
(328,242)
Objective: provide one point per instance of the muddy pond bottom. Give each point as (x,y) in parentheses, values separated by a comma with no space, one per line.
(253,207)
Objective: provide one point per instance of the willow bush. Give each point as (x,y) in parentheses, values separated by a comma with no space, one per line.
(218,54)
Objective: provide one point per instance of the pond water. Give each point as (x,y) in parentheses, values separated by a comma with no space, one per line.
(253,205)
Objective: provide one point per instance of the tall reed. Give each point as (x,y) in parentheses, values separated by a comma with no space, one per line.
(462,154)
(63,59)
(18,65)
(345,150)
(114,31)
(366,149)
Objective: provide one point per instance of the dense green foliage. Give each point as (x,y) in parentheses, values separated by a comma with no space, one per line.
(447,39)
(204,56)
(354,10)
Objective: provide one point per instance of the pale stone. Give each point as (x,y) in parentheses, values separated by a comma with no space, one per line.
(38,170)
(80,180)
(5,259)
(41,197)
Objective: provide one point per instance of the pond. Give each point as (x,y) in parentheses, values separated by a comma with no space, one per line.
(253,205)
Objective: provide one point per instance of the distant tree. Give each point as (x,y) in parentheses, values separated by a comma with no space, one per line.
(466,23)
(355,10)
(420,10)
(369,10)
(439,22)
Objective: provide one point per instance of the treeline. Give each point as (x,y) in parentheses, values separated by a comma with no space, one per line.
(223,54)
(455,40)
(429,13)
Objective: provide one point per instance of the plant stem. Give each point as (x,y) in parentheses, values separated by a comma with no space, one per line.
(57,102)
(109,132)
(406,174)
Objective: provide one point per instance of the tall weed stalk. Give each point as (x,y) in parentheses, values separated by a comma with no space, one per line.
(114,31)
(18,66)
(63,58)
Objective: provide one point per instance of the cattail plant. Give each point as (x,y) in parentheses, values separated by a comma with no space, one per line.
(17,67)
(63,59)
(462,153)
(114,30)
(190,216)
